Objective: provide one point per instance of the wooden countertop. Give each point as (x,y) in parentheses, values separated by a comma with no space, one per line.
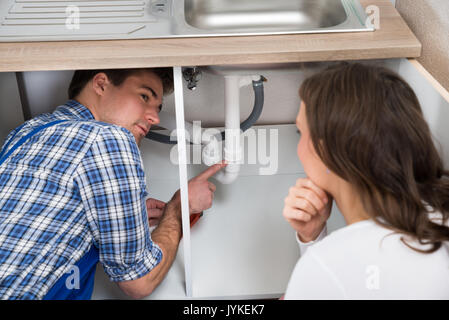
(394,39)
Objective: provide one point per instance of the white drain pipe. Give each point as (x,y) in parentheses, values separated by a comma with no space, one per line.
(232,149)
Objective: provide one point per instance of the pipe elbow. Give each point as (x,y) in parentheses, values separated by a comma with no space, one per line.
(228,176)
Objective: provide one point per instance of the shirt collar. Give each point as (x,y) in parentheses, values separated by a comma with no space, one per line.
(74,109)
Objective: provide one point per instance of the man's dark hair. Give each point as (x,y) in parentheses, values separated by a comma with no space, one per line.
(117,77)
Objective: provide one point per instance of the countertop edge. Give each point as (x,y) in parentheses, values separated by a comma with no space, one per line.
(393,40)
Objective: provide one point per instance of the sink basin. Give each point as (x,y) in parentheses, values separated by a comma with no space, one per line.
(263,15)
(54,20)
(257,17)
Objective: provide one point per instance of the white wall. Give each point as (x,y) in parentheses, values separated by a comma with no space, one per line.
(10,107)
(46,90)
(435,108)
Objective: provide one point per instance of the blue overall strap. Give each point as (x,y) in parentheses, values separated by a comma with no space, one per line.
(84,271)
(3,156)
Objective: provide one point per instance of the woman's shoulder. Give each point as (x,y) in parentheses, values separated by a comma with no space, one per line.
(368,240)
(364,227)
(355,255)
(361,238)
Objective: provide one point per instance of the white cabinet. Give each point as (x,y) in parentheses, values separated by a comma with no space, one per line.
(242,247)
(434,102)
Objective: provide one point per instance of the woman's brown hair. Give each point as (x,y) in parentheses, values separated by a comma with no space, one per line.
(367,126)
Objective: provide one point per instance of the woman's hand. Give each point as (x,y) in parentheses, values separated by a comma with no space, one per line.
(307,208)
(155,208)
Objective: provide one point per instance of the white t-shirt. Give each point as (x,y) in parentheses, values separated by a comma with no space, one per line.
(366,261)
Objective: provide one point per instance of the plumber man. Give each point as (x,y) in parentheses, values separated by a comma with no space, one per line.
(73,192)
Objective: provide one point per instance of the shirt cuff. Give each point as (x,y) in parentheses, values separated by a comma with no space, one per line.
(304,245)
(126,272)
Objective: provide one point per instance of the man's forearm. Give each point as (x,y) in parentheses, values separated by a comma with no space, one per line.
(169,231)
(167,236)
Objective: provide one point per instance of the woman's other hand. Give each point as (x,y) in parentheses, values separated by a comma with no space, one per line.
(307,208)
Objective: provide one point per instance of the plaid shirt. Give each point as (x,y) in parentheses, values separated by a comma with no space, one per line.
(76,184)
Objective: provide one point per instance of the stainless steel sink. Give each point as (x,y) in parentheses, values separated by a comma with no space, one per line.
(254,17)
(263,15)
(49,20)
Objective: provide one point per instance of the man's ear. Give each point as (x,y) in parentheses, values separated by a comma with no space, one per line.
(100,82)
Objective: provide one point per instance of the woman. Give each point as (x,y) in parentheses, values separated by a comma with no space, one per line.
(365,145)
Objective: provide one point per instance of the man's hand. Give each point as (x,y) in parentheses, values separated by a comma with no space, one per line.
(201,191)
(155,208)
(169,230)
(307,208)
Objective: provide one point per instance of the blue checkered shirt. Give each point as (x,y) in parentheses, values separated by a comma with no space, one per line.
(73,185)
